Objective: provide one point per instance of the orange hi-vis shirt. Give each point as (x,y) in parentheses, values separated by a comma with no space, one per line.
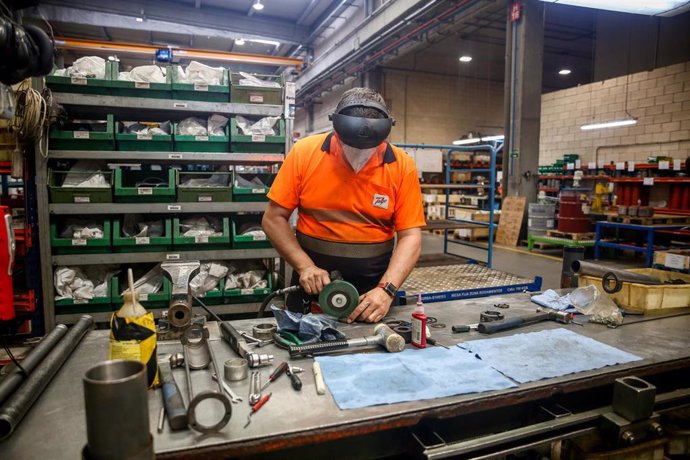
(337,204)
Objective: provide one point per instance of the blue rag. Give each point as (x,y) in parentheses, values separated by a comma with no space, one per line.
(546,354)
(369,379)
(551,299)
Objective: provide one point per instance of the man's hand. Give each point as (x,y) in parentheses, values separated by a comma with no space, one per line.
(373,306)
(313,279)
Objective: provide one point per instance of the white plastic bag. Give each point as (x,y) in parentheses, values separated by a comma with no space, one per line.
(264,125)
(197,72)
(589,301)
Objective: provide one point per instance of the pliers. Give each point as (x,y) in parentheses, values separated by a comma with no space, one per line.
(285,339)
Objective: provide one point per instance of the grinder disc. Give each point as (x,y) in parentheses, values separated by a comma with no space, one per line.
(339,298)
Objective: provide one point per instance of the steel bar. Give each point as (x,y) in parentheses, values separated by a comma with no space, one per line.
(16,407)
(33,359)
(581,267)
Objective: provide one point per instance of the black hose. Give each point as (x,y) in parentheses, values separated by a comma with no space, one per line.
(273,295)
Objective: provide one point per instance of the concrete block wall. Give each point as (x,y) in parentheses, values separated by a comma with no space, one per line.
(659,99)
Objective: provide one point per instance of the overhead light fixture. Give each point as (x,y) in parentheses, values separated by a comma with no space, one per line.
(646,7)
(475,140)
(465,58)
(609,124)
(140,19)
(258,6)
(265,42)
(499,137)
(239,41)
(564,72)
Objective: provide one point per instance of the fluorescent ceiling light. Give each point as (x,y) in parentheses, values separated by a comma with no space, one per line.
(564,72)
(609,124)
(499,137)
(239,41)
(465,58)
(257,5)
(647,7)
(265,42)
(140,19)
(475,140)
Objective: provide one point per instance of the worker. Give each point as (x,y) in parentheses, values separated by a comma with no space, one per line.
(354,193)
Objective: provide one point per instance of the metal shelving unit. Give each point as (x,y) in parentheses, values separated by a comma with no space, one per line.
(86,105)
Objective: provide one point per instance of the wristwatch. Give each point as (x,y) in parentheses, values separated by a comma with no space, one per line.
(390,288)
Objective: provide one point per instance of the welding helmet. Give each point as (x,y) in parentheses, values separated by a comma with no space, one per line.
(362,132)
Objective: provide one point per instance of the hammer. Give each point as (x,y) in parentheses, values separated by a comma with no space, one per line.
(383,335)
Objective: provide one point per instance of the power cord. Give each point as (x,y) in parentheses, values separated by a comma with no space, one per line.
(10,354)
(30,120)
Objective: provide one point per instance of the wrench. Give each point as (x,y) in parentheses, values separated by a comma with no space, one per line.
(233,396)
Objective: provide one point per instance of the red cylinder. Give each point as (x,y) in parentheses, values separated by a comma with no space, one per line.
(571,219)
(6,264)
(634,194)
(685,204)
(674,196)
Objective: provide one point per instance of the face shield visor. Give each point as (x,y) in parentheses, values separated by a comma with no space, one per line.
(361,132)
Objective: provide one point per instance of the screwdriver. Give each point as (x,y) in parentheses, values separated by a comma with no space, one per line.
(294,379)
(256,407)
(277,372)
(431,341)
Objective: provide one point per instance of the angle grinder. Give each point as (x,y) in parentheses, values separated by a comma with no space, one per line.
(338,298)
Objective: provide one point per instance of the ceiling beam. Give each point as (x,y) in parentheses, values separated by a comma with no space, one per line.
(167,18)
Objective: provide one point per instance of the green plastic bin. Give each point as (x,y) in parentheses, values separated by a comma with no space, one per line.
(97,304)
(245,194)
(84,140)
(203,194)
(60,194)
(235,296)
(80,85)
(215,296)
(257,143)
(247,241)
(256,94)
(138,89)
(160,299)
(200,91)
(201,242)
(82,245)
(141,243)
(126,190)
(201,143)
(143,142)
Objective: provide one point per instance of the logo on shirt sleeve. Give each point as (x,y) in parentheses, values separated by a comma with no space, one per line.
(381,201)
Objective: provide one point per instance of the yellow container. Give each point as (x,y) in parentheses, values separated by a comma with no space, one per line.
(636,297)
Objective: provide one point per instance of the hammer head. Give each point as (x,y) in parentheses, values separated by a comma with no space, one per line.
(390,340)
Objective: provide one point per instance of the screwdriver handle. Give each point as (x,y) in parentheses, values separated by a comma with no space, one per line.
(294,380)
(261,402)
(510,323)
(278,371)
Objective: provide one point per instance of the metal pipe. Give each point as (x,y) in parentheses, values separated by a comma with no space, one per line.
(581,267)
(33,359)
(17,405)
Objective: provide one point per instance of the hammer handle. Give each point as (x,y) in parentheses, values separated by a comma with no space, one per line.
(509,323)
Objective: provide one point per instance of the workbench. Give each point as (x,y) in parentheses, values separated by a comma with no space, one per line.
(296,424)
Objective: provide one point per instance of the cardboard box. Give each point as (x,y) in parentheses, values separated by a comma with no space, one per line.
(674,259)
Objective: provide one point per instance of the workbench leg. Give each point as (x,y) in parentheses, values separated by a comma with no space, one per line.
(597,237)
(649,254)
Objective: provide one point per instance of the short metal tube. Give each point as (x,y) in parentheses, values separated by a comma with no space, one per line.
(117,411)
(581,267)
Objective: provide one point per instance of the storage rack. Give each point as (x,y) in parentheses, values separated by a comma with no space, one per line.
(90,105)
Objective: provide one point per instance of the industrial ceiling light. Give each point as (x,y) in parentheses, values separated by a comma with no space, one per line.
(609,124)
(140,19)
(646,7)
(258,6)
(465,58)
(564,72)
(265,42)
(239,41)
(474,140)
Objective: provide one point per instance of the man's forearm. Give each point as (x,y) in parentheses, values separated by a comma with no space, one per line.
(404,258)
(283,239)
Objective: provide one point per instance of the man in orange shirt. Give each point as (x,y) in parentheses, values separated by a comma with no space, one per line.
(354,193)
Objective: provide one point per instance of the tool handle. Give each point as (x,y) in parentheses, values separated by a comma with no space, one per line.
(261,402)
(316,348)
(461,328)
(497,326)
(172,399)
(294,381)
(278,371)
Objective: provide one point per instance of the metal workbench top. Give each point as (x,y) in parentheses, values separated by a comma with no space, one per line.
(55,426)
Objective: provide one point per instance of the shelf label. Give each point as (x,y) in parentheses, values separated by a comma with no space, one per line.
(550,223)
(676,164)
(179,105)
(175,156)
(142,240)
(172,257)
(174,207)
(570,166)
(200,138)
(259,237)
(143,297)
(79,242)
(620,166)
(81,301)
(258,138)
(200,87)
(201,239)
(256,98)
(592,165)
(648,181)
(80,134)
(79,81)
(82,199)
(205,198)
(675,261)
(246,291)
(258,190)
(631,166)
(145,191)
(144,137)
(142,84)
(578,164)
(664,165)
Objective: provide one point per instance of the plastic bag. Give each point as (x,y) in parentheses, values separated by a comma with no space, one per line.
(149,283)
(208,278)
(144,74)
(134,226)
(252,80)
(197,72)
(589,301)
(83,174)
(83,283)
(6,102)
(192,127)
(216,125)
(213,180)
(86,67)
(82,230)
(264,125)
(201,226)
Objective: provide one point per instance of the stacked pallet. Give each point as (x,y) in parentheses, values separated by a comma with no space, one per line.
(474,234)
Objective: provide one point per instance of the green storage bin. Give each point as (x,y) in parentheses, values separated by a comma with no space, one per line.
(256,94)
(138,89)
(126,190)
(571,157)
(97,304)
(160,299)
(80,246)
(235,296)
(201,143)
(245,194)
(247,241)
(199,194)
(198,242)
(215,296)
(256,143)
(84,140)
(60,194)
(81,85)
(141,244)
(143,142)
(200,91)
